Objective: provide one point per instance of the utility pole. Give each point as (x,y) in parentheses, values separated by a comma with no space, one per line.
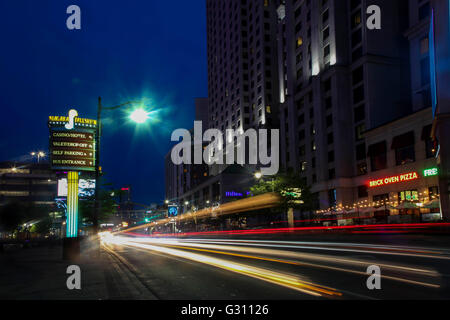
(97,165)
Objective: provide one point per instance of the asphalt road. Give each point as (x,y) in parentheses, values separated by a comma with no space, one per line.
(235,269)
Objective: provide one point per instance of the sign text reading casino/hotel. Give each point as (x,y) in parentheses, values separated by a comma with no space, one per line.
(72,148)
(394,179)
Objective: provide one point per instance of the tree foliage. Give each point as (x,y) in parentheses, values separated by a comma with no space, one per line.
(290,186)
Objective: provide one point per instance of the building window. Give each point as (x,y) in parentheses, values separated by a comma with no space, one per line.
(301,135)
(358,75)
(358,94)
(378,156)
(326,34)
(328,103)
(410,195)
(330,138)
(424,46)
(301,119)
(326,51)
(361,169)
(424,11)
(356,19)
(359,130)
(404,148)
(332,174)
(430,148)
(330,156)
(329,121)
(360,113)
(425,71)
(303,166)
(302,151)
(361,152)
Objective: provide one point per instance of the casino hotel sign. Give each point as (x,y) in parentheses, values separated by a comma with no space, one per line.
(72,142)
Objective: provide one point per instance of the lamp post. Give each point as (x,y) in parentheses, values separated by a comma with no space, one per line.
(39,155)
(139,116)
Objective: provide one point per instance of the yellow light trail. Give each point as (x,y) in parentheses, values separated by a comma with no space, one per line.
(219,250)
(278,278)
(264,201)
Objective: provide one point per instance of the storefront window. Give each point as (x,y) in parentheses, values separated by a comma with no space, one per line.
(411,195)
(433,192)
(381,197)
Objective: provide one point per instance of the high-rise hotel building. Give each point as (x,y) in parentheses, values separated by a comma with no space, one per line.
(242,64)
(339,79)
(316,71)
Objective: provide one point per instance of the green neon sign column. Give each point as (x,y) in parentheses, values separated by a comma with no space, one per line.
(72,205)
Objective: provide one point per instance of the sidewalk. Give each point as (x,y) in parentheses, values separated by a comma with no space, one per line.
(40,274)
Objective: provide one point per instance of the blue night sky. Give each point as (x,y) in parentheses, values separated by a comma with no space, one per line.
(126,50)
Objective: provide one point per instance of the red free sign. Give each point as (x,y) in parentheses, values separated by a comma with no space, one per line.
(394,179)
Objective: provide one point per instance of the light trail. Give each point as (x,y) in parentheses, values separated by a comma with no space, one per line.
(221,249)
(278,278)
(345,247)
(240,249)
(375,228)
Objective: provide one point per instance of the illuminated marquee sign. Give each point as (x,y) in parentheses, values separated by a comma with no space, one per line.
(431,172)
(394,179)
(72,143)
(55,120)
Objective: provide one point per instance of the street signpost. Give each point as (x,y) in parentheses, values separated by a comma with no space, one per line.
(72,150)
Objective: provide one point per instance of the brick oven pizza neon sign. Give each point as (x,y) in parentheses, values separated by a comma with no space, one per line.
(394,179)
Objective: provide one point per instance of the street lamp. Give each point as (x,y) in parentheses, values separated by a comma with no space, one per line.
(39,155)
(138,116)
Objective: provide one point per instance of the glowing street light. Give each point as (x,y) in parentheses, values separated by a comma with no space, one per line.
(258,175)
(39,155)
(139,116)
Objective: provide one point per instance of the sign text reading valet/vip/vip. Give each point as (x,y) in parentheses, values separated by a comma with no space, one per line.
(74,148)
